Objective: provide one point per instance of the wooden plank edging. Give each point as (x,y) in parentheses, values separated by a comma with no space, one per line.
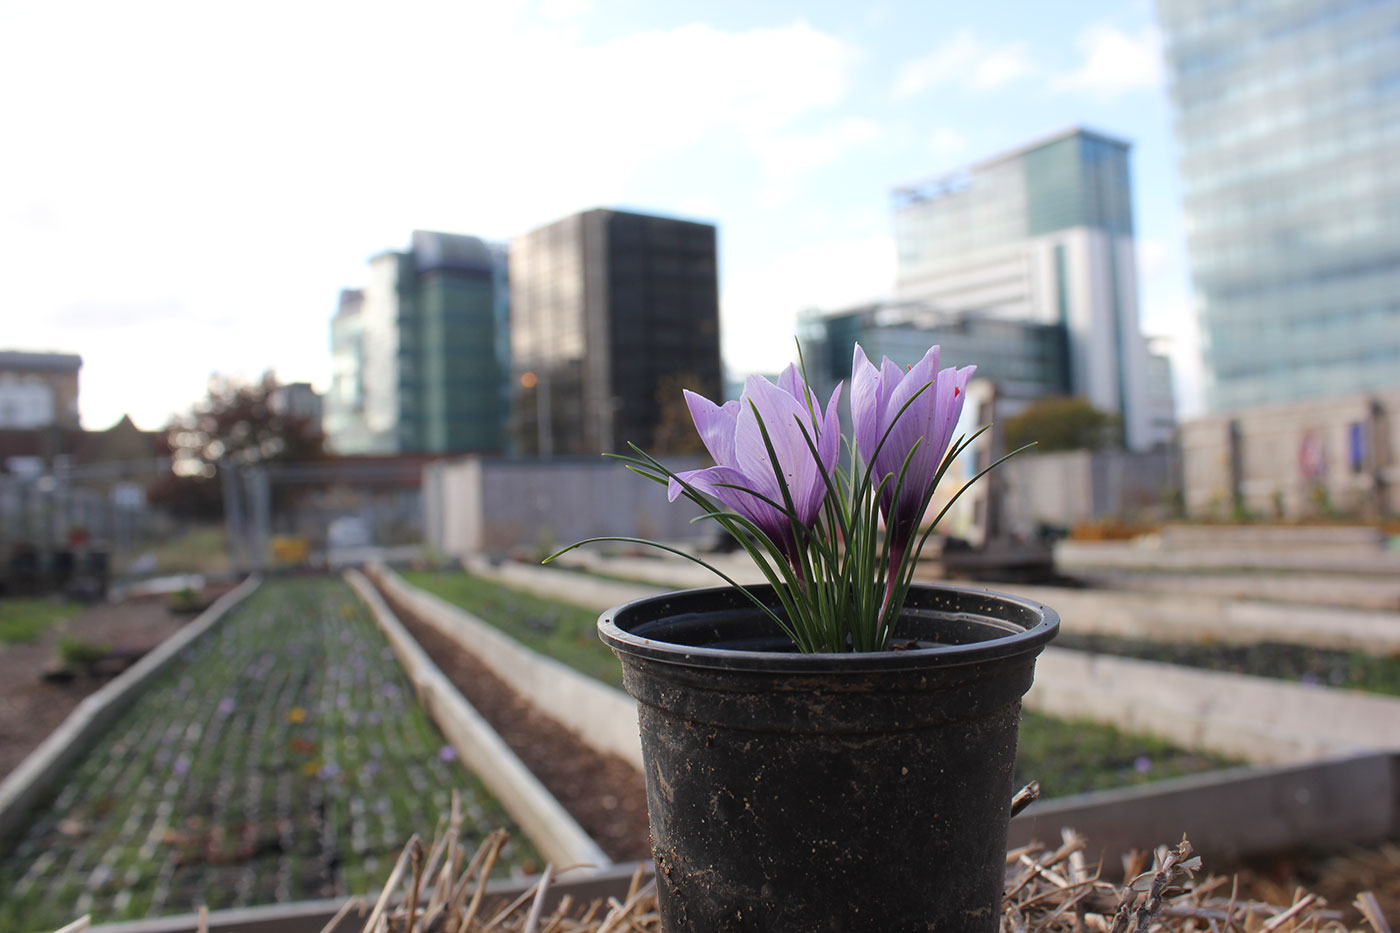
(1231,815)
(1227,815)
(603,717)
(550,827)
(1259,719)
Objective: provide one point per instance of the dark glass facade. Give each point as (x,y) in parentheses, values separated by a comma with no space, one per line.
(1026,361)
(611,314)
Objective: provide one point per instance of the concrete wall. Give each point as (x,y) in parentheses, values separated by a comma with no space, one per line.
(1295,461)
(1072,486)
(479,505)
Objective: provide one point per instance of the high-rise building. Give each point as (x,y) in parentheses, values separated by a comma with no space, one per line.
(1288,117)
(612,314)
(418,356)
(1041,235)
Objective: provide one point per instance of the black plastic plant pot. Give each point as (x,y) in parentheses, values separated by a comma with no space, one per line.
(832,792)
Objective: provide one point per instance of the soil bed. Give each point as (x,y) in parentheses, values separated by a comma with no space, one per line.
(31,707)
(1299,663)
(605,794)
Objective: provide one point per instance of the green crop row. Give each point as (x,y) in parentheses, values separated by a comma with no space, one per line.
(283,757)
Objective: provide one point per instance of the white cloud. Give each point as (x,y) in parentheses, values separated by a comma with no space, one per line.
(1115,62)
(969,62)
(758,309)
(947,143)
(787,157)
(245,166)
(564,9)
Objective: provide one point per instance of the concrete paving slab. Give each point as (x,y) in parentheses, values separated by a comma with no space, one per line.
(1072,556)
(1303,588)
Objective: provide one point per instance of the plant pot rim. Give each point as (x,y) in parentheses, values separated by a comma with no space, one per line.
(1019,640)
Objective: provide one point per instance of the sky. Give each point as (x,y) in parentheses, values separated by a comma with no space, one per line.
(186,187)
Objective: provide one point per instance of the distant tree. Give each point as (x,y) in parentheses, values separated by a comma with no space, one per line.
(238,423)
(1062,424)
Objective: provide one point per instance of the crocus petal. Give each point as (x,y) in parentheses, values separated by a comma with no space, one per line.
(952,392)
(865,410)
(790,381)
(783,417)
(719,481)
(916,382)
(829,441)
(715,424)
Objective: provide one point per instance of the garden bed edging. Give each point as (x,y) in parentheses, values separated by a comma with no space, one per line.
(23,787)
(603,717)
(550,827)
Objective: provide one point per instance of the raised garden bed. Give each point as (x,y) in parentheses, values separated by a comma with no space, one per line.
(1299,663)
(31,707)
(605,794)
(283,757)
(1067,757)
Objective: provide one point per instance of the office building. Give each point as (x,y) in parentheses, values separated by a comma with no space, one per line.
(612,315)
(1042,235)
(38,390)
(1288,118)
(1025,360)
(418,356)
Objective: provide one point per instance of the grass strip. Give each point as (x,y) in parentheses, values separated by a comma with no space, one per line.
(24,619)
(1351,670)
(562,631)
(283,757)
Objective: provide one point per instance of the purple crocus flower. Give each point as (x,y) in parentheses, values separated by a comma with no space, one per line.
(732,435)
(876,399)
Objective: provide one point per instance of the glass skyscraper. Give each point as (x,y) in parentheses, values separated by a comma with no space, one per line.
(612,314)
(419,356)
(1042,235)
(1288,116)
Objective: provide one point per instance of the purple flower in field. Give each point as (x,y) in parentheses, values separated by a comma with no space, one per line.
(227,706)
(732,435)
(447,753)
(1142,764)
(929,421)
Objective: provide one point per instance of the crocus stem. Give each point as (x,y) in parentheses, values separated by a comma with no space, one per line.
(892,578)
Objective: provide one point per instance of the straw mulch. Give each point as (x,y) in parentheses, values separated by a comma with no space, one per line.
(440,889)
